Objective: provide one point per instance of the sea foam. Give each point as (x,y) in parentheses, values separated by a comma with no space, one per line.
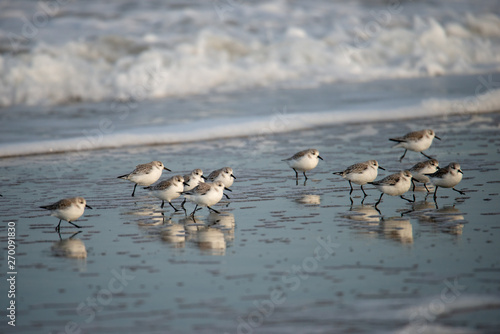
(187,51)
(250,126)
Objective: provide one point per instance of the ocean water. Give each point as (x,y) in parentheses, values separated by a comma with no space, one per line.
(109,85)
(89,75)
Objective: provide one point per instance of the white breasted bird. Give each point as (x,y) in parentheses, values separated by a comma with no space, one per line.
(416,141)
(361,173)
(304,161)
(206,194)
(168,190)
(419,171)
(193,179)
(394,185)
(447,177)
(68,209)
(145,174)
(225,175)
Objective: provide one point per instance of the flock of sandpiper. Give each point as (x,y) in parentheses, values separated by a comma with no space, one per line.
(201,193)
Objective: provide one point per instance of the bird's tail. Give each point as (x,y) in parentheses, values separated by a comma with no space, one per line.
(398,142)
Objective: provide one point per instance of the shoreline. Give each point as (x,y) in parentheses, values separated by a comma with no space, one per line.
(125,140)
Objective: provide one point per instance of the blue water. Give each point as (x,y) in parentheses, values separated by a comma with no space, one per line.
(90,126)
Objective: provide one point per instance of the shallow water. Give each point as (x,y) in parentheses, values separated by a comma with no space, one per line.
(282,257)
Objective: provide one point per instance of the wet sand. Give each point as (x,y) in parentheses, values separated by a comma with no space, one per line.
(280,258)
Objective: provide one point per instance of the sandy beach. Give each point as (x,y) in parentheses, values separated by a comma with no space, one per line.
(91,89)
(281,257)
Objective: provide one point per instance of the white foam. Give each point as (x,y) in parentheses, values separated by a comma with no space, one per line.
(485,100)
(278,45)
(247,126)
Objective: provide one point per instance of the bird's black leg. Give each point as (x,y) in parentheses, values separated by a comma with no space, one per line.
(226,196)
(407,212)
(58,227)
(350,184)
(192,213)
(425,155)
(435,193)
(363,191)
(72,235)
(401,159)
(459,191)
(75,225)
(425,186)
(175,209)
(162,204)
(409,200)
(380,198)
(133,192)
(213,209)
(296,174)
(304,174)
(182,206)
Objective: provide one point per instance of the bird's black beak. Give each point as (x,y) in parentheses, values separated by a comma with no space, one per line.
(382,168)
(166,168)
(204,178)
(460,171)
(186,184)
(227,189)
(437,137)
(233,177)
(87,206)
(320,157)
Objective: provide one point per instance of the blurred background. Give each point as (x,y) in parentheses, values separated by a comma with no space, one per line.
(118,66)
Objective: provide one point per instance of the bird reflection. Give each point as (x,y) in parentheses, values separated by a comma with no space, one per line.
(363,219)
(192,225)
(225,222)
(366,220)
(70,248)
(398,229)
(309,199)
(363,213)
(148,215)
(448,219)
(423,206)
(174,234)
(211,240)
(210,235)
